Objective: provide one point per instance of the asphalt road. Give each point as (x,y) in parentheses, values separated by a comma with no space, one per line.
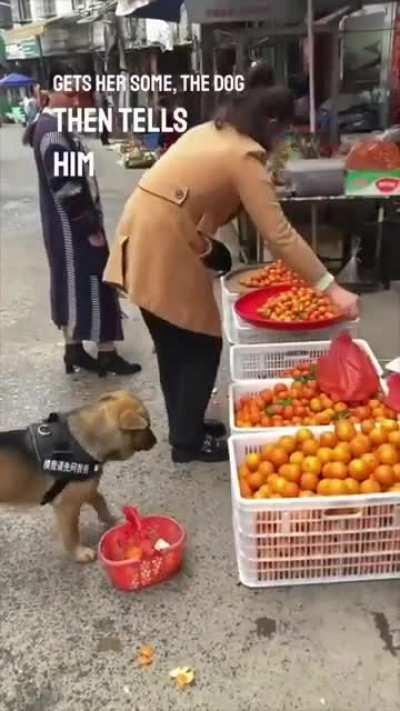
(68,641)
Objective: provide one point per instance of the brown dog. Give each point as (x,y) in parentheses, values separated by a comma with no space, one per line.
(60,460)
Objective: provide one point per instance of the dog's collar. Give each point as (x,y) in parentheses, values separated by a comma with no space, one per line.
(60,455)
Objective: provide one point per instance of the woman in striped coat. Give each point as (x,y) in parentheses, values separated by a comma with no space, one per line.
(74,236)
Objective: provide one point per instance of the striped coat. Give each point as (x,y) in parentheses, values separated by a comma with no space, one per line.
(71,213)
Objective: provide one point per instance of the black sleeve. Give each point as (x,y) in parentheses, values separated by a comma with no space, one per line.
(71,193)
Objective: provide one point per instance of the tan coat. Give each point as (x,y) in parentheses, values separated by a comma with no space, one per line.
(199,185)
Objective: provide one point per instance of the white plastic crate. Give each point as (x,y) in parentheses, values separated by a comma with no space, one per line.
(270,360)
(244,333)
(318,540)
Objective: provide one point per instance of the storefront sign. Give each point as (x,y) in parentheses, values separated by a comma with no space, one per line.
(271,12)
(25,49)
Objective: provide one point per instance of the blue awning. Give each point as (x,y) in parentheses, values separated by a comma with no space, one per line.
(15,81)
(168,10)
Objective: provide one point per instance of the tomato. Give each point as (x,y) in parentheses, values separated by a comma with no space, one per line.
(267,396)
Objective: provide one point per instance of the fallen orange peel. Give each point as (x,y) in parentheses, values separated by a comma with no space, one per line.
(184,676)
(146,656)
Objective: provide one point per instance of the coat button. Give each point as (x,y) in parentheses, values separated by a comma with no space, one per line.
(179,194)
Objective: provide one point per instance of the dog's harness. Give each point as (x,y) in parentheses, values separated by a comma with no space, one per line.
(59,454)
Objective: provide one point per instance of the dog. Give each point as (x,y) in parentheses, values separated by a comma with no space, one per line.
(59,461)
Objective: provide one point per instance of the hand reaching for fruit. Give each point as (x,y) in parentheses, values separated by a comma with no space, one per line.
(345,301)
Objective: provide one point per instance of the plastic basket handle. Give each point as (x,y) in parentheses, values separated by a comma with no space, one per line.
(133,517)
(341,514)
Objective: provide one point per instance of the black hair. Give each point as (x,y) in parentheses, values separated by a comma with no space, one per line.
(58,69)
(258,112)
(260,75)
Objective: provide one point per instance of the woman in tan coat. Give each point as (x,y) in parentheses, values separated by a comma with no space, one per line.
(165,247)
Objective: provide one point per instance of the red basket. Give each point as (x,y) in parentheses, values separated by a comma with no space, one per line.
(155,566)
(247,308)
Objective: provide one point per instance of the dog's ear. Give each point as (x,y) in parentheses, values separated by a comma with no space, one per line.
(130,420)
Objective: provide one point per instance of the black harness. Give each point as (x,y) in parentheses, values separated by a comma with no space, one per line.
(59,454)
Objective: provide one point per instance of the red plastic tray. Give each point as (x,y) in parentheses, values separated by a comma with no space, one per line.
(247,308)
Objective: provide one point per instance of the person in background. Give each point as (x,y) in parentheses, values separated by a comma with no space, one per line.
(169,223)
(82,306)
(166,140)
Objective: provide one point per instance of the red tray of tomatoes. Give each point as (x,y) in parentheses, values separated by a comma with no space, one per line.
(248,307)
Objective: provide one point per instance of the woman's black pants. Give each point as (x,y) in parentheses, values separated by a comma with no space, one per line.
(188,363)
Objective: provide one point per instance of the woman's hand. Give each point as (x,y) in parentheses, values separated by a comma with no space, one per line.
(345,301)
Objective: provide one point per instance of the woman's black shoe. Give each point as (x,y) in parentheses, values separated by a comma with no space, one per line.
(111,362)
(75,357)
(215,428)
(212,450)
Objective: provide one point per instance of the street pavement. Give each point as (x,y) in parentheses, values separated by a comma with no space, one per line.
(68,641)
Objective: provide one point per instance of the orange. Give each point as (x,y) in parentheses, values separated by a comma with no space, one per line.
(394,438)
(244,472)
(345,431)
(266,451)
(279,486)
(352,486)
(340,453)
(384,474)
(387,454)
(378,436)
(291,472)
(367,426)
(264,492)
(335,470)
(316,405)
(337,487)
(309,482)
(304,434)
(325,417)
(358,469)
(296,457)
(245,489)
(306,494)
(278,456)
(276,496)
(396,472)
(389,425)
(255,481)
(324,455)
(360,445)
(288,444)
(394,488)
(328,439)
(309,447)
(370,486)
(266,469)
(271,479)
(291,490)
(323,488)
(312,464)
(253,461)
(371,460)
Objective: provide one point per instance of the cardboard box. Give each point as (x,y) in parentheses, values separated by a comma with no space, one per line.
(370,182)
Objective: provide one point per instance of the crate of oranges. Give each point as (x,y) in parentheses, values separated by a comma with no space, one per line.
(264,404)
(317,507)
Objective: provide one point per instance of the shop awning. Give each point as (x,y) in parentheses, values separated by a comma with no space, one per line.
(35,29)
(15,81)
(167,10)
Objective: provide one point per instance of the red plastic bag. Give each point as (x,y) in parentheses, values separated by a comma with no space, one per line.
(346,372)
(393,398)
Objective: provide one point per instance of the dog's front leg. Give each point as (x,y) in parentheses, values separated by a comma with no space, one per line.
(67,514)
(103,512)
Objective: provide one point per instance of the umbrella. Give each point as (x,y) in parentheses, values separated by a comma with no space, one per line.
(15,81)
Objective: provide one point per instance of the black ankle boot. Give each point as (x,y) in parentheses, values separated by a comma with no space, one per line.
(111,362)
(75,357)
(212,450)
(215,428)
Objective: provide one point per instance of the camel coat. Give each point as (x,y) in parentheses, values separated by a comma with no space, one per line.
(200,184)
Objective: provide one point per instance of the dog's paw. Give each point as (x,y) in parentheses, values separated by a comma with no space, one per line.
(84,555)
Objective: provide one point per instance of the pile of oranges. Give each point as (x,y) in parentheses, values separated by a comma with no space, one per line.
(303,403)
(341,462)
(299,305)
(277,274)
